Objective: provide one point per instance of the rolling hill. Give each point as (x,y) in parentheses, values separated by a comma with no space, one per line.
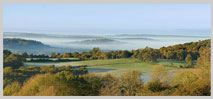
(17,45)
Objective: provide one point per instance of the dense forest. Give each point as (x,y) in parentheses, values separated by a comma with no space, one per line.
(71,81)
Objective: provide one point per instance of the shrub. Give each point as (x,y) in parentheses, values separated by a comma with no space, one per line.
(192,83)
(160,73)
(156,86)
(12,88)
(47,85)
(131,83)
(111,86)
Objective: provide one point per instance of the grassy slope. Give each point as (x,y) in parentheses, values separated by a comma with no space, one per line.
(113,66)
(117,66)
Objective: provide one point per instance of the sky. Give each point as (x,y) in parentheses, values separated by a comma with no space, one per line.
(183,19)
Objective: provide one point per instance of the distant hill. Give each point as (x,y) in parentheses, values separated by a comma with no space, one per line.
(17,45)
(101,41)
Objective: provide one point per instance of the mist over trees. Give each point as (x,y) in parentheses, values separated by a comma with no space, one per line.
(187,52)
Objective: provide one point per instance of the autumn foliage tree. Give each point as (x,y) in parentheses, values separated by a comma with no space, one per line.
(189,61)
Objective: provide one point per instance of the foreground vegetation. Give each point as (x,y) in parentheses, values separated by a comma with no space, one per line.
(71,81)
(186,82)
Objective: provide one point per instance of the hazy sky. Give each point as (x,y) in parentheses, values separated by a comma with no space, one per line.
(117,18)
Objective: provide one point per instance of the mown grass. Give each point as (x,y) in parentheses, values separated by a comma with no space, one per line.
(114,66)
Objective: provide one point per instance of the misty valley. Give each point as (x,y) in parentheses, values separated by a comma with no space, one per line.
(74,42)
(156,63)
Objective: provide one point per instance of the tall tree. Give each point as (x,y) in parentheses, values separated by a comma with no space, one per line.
(188,60)
(67,55)
(53,55)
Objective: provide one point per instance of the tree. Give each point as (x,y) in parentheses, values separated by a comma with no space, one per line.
(76,54)
(53,55)
(95,53)
(171,55)
(204,60)
(125,54)
(58,55)
(188,60)
(95,50)
(45,85)
(6,53)
(107,55)
(25,55)
(14,61)
(67,55)
(181,54)
(160,73)
(131,83)
(148,55)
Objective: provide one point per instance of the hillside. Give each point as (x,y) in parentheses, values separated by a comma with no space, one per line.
(17,45)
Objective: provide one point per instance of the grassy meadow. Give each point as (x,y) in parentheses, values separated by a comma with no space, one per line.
(114,66)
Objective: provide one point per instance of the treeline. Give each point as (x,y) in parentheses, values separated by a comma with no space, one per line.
(187,51)
(176,52)
(180,52)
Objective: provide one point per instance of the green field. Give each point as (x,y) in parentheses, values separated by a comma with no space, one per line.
(114,66)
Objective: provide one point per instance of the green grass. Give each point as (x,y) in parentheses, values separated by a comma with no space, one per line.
(117,66)
(114,66)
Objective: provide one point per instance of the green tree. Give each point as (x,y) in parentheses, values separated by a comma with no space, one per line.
(76,54)
(25,55)
(14,61)
(125,54)
(107,55)
(6,53)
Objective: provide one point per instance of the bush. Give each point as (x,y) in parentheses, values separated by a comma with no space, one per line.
(131,83)
(11,89)
(47,85)
(160,73)
(13,61)
(111,86)
(156,86)
(192,83)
